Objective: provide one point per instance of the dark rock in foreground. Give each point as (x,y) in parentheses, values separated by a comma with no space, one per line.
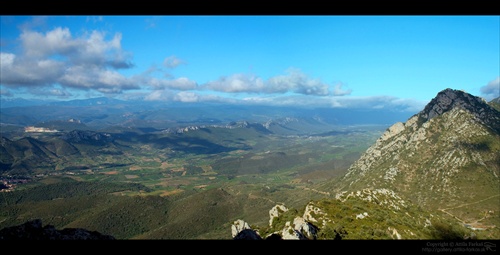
(33,230)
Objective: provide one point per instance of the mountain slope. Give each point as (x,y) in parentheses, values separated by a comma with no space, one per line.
(363,215)
(495,103)
(446,157)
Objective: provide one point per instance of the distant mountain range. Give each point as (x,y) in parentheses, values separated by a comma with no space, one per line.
(20,102)
(100,113)
(72,145)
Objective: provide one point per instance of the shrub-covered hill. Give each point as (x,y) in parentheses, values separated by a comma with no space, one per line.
(34,230)
(366,215)
(124,210)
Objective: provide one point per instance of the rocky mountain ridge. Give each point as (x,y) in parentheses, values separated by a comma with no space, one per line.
(441,165)
(449,99)
(446,156)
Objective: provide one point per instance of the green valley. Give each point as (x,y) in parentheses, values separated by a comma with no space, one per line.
(211,175)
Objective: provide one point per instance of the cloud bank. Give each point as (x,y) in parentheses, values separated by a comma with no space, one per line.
(57,63)
(295,81)
(491,90)
(57,58)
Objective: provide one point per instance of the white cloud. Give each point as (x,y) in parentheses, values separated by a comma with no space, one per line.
(95,50)
(373,102)
(56,57)
(152,22)
(187,97)
(181,83)
(298,82)
(237,83)
(36,21)
(17,71)
(50,92)
(379,102)
(172,62)
(57,41)
(294,81)
(103,80)
(158,95)
(338,91)
(94,19)
(492,89)
(87,62)
(59,93)
(6,59)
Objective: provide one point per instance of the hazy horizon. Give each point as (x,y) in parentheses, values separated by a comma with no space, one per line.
(376,62)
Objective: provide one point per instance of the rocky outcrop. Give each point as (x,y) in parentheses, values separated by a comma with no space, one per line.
(247,234)
(33,230)
(275,212)
(238,227)
(280,122)
(301,228)
(393,131)
(78,136)
(230,125)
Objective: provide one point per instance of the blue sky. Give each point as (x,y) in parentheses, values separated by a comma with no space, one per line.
(332,61)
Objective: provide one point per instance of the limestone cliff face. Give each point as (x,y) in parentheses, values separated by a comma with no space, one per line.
(301,228)
(447,155)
